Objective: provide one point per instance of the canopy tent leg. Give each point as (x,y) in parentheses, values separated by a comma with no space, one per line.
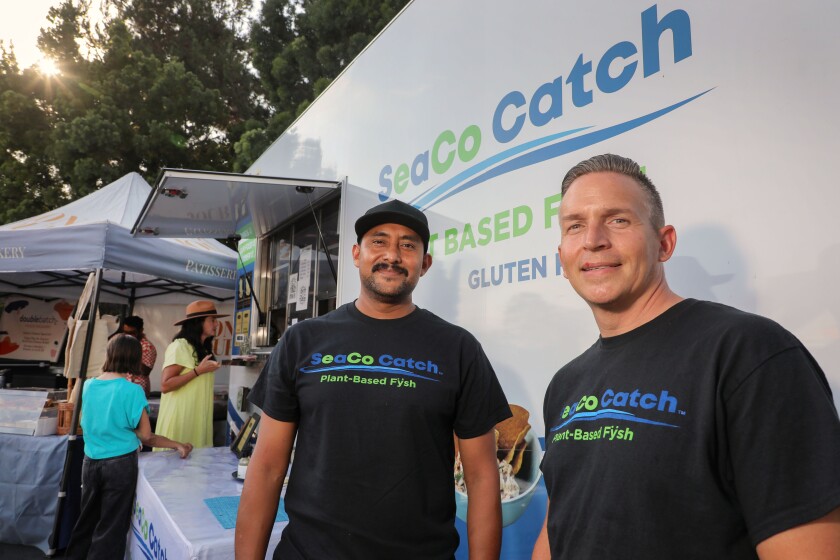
(77,407)
(131,299)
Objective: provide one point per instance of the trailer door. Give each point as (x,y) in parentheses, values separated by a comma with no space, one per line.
(291,223)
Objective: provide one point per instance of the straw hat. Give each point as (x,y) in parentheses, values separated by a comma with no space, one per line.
(200,308)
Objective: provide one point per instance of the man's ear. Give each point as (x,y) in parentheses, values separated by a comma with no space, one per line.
(427,263)
(356,251)
(559,255)
(667,242)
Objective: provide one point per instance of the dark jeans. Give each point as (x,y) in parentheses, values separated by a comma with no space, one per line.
(108,487)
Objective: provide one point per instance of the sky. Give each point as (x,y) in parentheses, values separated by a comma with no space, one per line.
(21,23)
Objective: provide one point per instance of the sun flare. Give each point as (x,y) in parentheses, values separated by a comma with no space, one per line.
(48,67)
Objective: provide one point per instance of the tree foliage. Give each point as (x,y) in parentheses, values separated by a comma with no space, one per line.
(28,184)
(299,48)
(166,83)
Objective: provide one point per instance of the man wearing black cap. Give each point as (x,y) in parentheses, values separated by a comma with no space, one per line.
(373,392)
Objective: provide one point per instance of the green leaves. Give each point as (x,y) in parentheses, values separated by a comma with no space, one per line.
(166,83)
(299,47)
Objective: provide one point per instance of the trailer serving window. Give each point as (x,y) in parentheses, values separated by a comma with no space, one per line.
(300,284)
(292,220)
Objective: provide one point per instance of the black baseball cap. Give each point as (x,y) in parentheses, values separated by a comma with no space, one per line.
(395,212)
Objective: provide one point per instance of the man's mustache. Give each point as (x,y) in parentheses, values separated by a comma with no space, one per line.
(386,266)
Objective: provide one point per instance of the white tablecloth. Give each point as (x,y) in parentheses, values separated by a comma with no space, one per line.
(170,518)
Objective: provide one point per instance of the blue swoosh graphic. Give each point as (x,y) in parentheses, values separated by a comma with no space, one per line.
(591,416)
(446,190)
(609,413)
(376,369)
(144,548)
(437,190)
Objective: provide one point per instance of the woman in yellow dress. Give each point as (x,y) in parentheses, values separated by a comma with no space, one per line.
(186,403)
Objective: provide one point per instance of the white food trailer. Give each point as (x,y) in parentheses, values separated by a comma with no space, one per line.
(473,111)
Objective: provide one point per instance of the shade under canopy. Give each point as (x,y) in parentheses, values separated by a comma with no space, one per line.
(51,255)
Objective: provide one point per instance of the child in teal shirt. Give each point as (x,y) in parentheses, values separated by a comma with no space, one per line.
(115,421)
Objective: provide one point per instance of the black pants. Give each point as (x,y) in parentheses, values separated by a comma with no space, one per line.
(108,487)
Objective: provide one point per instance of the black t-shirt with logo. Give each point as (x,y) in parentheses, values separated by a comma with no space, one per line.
(696,435)
(376,403)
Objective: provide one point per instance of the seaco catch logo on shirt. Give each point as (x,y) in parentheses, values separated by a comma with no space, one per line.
(356,367)
(626,406)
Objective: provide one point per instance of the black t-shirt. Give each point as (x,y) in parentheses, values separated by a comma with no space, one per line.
(377,402)
(696,435)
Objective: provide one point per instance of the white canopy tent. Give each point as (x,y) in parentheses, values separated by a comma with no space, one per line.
(51,255)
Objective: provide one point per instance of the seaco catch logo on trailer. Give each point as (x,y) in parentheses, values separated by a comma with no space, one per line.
(616,68)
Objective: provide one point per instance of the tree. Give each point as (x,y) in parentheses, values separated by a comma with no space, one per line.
(145,113)
(209,38)
(161,83)
(166,83)
(28,181)
(299,47)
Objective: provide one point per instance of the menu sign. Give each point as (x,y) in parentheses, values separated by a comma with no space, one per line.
(32,329)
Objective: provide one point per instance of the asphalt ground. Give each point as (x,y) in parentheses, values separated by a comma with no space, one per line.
(20,552)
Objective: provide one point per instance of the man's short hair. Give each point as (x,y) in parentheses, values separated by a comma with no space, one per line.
(134,322)
(624,166)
